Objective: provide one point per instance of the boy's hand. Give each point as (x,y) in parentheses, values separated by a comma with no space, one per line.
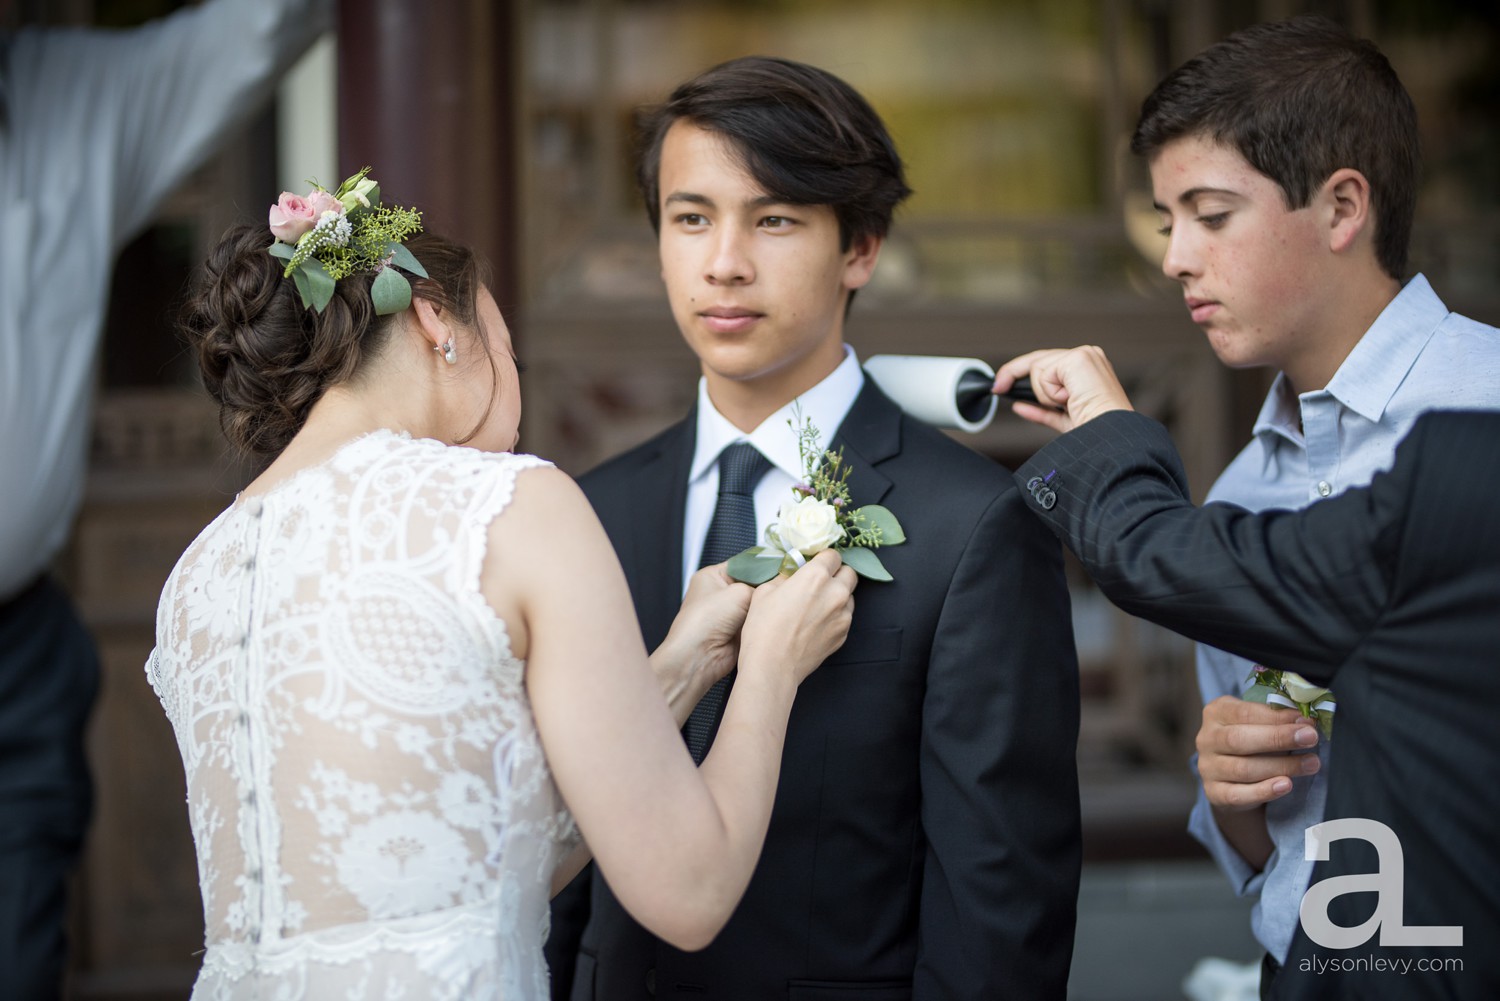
(1080,382)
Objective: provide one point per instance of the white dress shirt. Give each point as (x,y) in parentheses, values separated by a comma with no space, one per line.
(826,405)
(97,128)
(1417,356)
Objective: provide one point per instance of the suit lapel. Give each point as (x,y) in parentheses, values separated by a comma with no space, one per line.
(657,500)
(870,434)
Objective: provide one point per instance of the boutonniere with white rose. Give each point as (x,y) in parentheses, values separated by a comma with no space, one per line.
(820,516)
(1292,691)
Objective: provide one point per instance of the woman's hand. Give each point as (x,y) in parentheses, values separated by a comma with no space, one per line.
(676,842)
(797,622)
(703,644)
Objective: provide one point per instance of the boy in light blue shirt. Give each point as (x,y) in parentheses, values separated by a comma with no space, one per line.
(1284,162)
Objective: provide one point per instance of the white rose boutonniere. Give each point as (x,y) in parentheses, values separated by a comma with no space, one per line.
(806,525)
(1292,691)
(820,517)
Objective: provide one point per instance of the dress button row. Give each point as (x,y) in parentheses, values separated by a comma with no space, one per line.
(254,507)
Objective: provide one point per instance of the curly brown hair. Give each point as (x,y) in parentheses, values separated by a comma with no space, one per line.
(266,358)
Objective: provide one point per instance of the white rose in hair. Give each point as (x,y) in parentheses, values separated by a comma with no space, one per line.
(359,195)
(806,525)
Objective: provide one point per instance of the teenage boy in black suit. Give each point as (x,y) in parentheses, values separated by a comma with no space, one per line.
(925,838)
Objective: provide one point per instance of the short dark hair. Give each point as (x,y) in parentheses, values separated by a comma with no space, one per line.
(1300,99)
(806,136)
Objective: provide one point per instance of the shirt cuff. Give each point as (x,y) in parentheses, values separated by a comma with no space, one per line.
(1245,881)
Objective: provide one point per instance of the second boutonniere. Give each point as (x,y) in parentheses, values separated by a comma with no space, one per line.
(1292,691)
(819,516)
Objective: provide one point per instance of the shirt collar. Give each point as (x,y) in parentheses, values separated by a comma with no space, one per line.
(1372,373)
(1280,414)
(1379,363)
(826,405)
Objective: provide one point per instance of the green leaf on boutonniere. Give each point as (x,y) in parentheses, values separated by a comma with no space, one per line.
(1257,693)
(865,563)
(282,250)
(1325,724)
(754,566)
(1260,691)
(873,519)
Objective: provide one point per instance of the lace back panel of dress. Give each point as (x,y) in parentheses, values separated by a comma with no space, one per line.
(361,759)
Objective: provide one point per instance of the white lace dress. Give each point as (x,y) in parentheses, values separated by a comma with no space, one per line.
(373,814)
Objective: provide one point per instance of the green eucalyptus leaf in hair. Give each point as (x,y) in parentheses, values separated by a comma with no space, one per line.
(282,250)
(390,292)
(320,284)
(403,258)
(303,288)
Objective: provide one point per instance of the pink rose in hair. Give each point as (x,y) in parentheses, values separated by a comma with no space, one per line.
(321,201)
(292,216)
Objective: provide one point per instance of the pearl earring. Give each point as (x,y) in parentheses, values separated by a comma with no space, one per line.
(449,354)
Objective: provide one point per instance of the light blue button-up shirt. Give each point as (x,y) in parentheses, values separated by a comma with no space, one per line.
(1417,356)
(97,128)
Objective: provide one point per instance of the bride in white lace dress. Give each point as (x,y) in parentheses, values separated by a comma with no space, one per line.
(378,658)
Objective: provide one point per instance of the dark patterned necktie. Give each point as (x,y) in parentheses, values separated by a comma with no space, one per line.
(731,531)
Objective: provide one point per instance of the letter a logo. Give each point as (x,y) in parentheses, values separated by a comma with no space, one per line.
(1389,885)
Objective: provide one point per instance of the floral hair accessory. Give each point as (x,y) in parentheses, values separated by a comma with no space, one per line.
(1290,690)
(329,235)
(819,516)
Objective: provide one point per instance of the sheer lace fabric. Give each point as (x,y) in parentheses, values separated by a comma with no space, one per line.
(373,814)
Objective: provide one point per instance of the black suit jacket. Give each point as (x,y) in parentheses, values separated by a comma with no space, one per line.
(1391,596)
(924,841)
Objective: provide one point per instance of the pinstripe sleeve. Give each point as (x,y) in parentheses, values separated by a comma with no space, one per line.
(1299,589)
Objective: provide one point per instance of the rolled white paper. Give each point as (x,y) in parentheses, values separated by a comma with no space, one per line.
(927,387)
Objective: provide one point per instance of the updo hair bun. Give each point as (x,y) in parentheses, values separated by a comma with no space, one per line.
(266,358)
